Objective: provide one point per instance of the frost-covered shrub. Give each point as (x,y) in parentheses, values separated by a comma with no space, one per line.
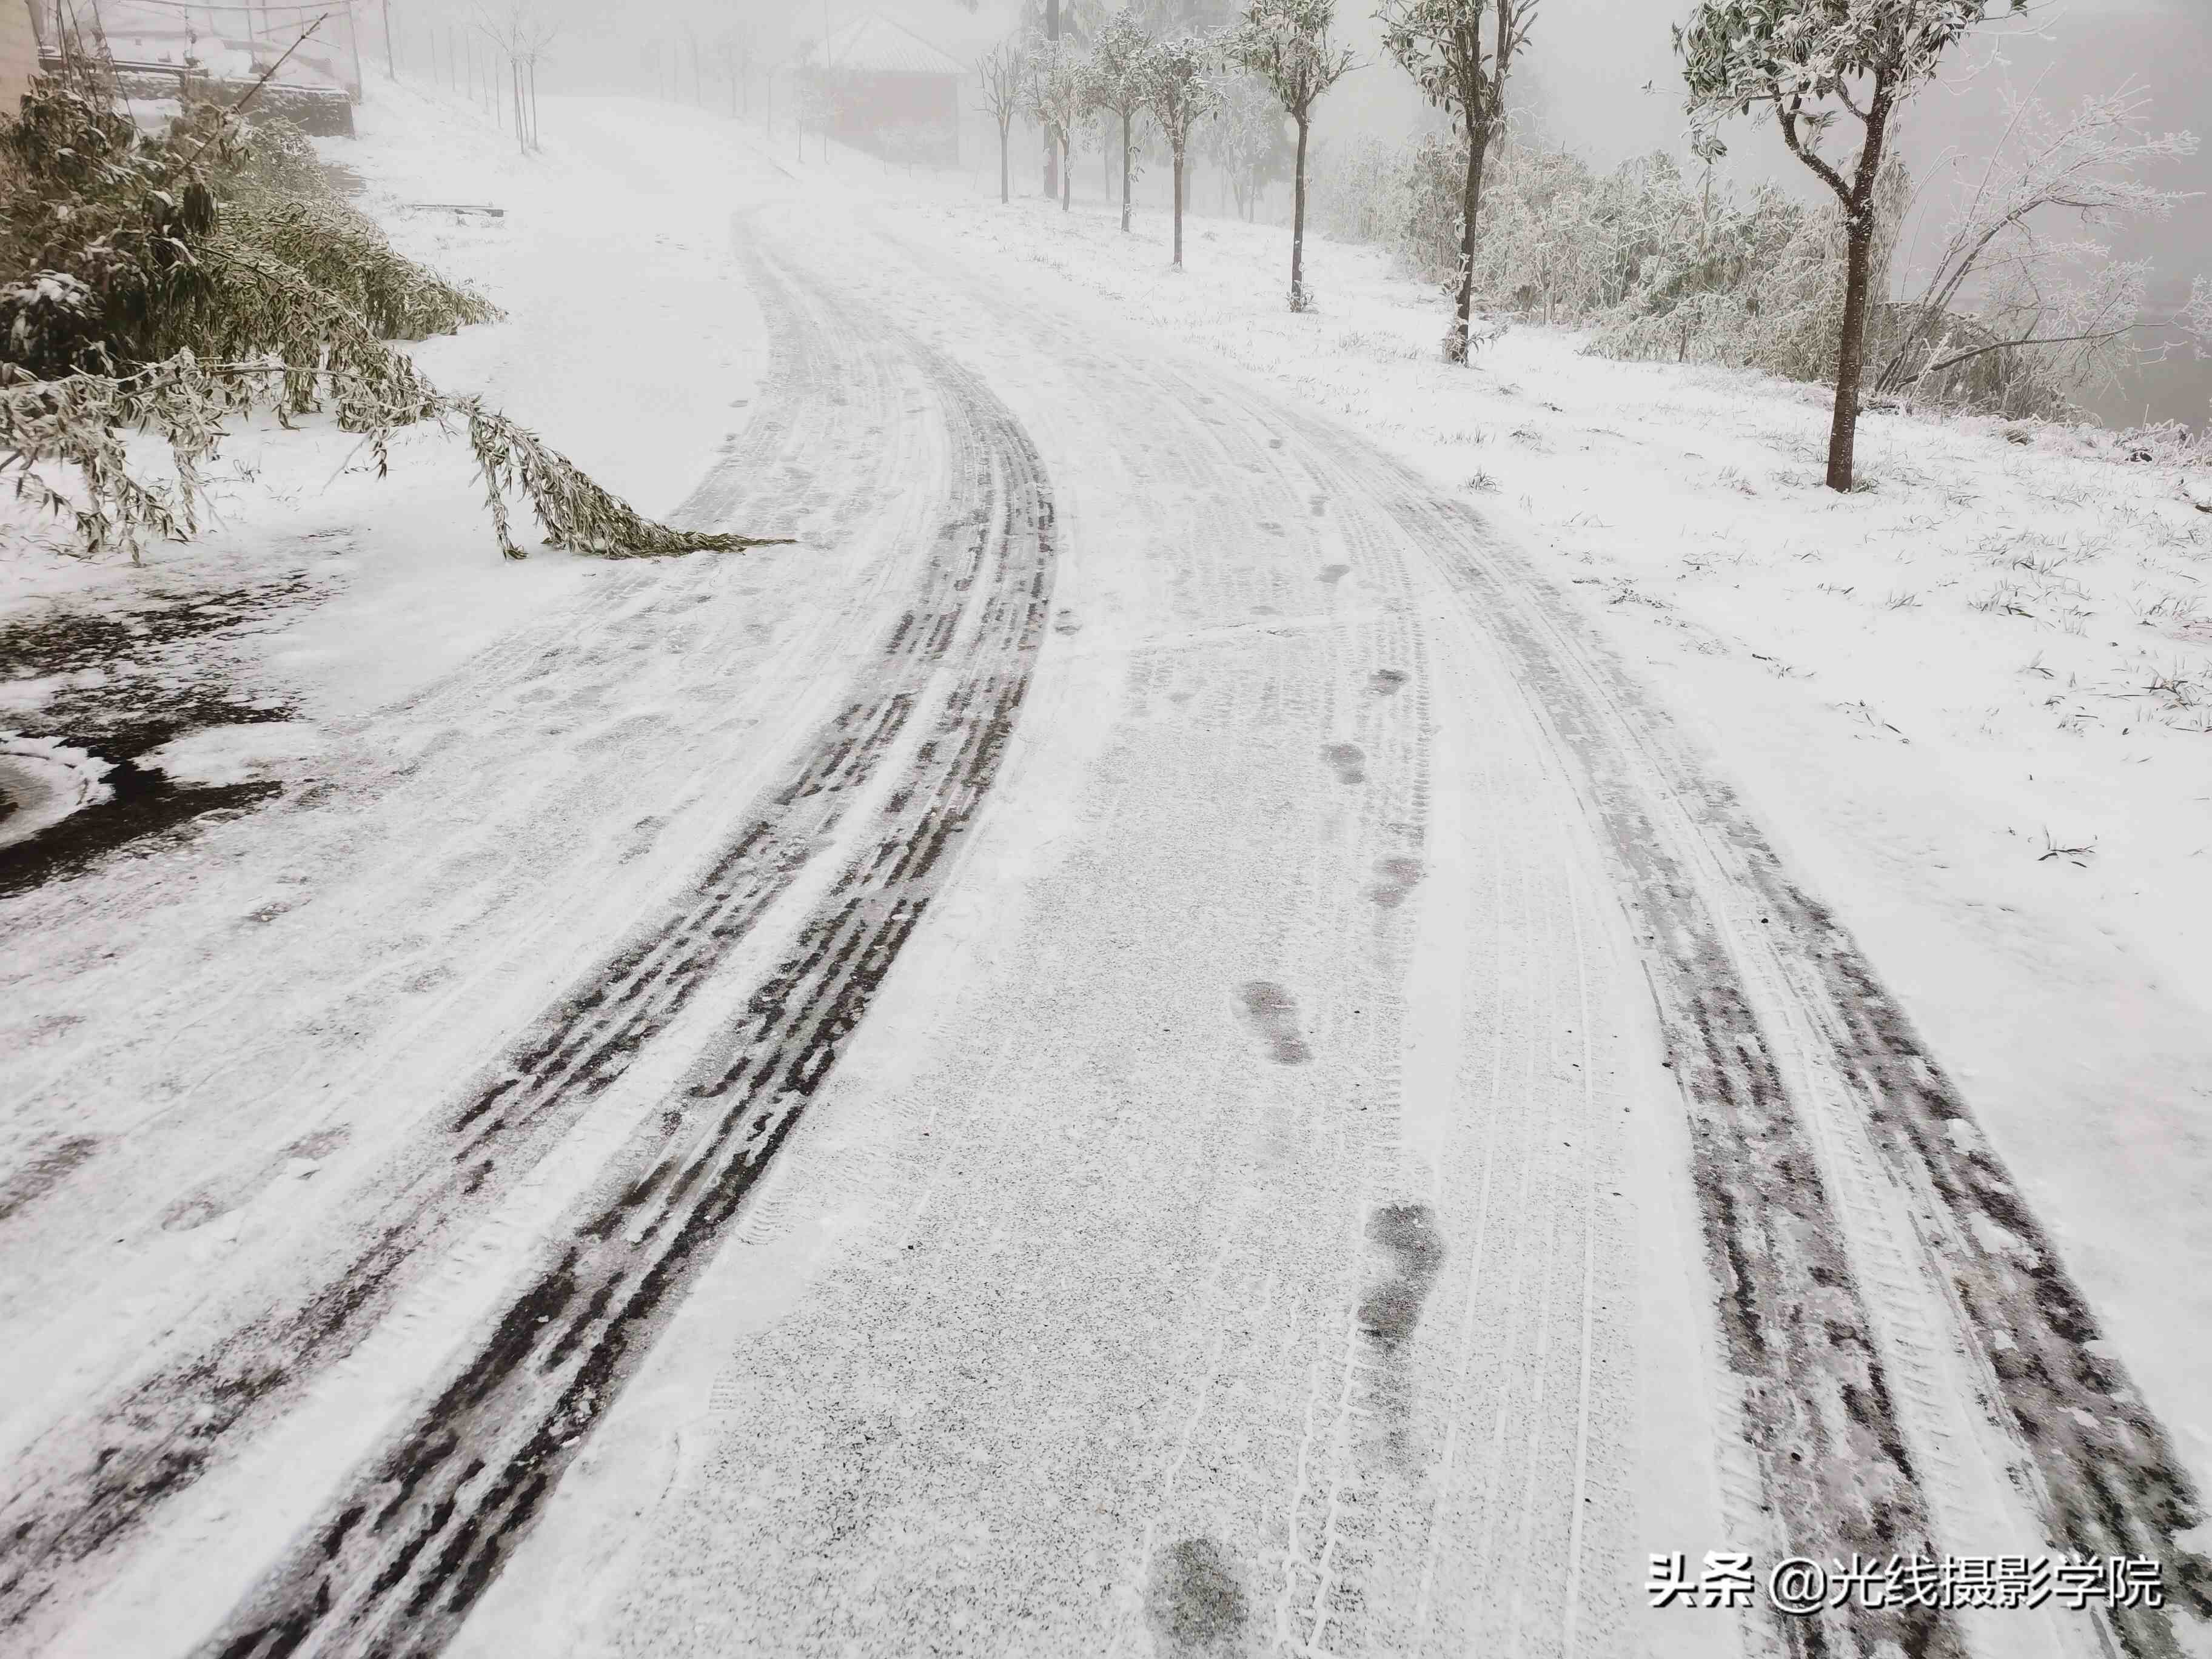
(1354,191)
(1665,263)
(1658,262)
(164,283)
(274,162)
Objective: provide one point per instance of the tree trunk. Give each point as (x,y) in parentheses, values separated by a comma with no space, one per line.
(1004,146)
(1858,281)
(1178,206)
(1053,161)
(1478,146)
(1850,355)
(1125,176)
(1298,227)
(1066,175)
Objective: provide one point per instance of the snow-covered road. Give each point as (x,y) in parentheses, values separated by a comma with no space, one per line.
(1188,1065)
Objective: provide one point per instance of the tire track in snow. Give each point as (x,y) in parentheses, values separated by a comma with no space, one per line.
(1797,1328)
(1739,957)
(419,1533)
(97,1480)
(1309,1450)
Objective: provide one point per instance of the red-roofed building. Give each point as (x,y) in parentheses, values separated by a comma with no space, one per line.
(893,92)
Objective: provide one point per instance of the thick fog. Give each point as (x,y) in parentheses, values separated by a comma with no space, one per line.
(1599,79)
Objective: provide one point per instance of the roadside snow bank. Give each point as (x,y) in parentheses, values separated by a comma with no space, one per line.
(237,754)
(42,782)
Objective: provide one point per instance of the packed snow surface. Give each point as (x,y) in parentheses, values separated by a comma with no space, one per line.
(1237,942)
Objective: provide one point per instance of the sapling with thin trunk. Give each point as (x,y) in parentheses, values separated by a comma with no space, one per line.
(1182,89)
(1055,102)
(1286,45)
(1459,53)
(1115,85)
(1816,63)
(1004,72)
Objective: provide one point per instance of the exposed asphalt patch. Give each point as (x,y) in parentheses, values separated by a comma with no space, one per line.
(32,1180)
(122,681)
(144,803)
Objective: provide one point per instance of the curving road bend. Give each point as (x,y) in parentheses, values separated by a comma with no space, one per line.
(1234,1088)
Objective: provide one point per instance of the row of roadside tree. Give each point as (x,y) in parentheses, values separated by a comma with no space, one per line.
(1820,73)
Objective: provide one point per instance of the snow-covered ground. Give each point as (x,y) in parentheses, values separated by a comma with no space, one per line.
(1969,708)
(1974,702)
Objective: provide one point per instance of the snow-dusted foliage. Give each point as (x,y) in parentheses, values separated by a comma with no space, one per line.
(1181,81)
(166,285)
(1288,45)
(1245,138)
(2011,316)
(1117,89)
(1447,47)
(1053,99)
(1801,56)
(2006,315)
(1813,63)
(1659,262)
(1004,72)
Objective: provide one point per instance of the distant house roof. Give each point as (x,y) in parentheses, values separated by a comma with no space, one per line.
(873,45)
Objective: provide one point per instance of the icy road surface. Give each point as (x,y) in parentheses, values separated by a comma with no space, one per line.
(1201,1073)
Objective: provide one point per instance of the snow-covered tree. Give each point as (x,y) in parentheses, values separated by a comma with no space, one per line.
(739,45)
(521,34)
(1053,100)
(1004,71)
(1044,23)
(1814,62)
(1115,84)
(1286,44)
(1181,88)
(1245,135)
(2019,307)
(1460,52)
